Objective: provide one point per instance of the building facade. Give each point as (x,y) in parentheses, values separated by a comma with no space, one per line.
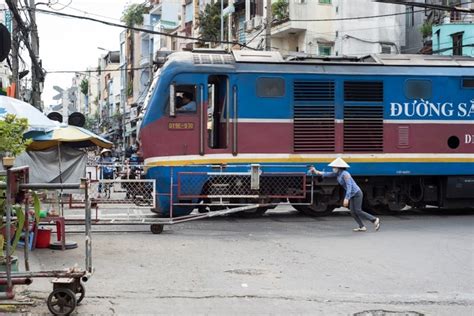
(110,114)
(454,35)
(321,27)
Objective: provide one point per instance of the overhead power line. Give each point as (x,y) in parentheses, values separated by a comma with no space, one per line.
(454,8)
(211,40)
(93,70)
(366,17)
(139,29)
(406,3)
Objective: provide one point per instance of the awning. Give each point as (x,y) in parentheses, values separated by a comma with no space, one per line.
(71,135)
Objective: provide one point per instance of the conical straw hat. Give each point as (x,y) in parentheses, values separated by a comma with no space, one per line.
(339,163)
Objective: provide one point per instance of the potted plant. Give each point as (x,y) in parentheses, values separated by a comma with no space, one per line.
(426,30)
(12,142)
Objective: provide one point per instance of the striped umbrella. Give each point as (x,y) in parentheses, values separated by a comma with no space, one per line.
(67,135)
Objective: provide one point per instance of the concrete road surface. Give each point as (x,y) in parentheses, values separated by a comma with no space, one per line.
(281,264)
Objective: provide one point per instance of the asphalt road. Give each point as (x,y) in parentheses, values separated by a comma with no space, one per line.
(280,264)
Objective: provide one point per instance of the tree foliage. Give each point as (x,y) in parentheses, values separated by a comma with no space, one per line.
(210,22)
(84,85)
(426,29)
(11,135)
(280,9)
(133,14)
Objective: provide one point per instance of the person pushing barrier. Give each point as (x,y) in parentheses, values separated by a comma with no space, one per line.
(353,197)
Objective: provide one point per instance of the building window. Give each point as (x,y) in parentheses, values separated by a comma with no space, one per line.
(457,43)
(455,15)
(325,1)
(324,50)
(418,89)
(270,87)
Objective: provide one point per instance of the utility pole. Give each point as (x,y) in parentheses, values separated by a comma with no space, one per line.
(36,76)
(15,48)
(268,27)
(23,32)
(222,23)
(229,34)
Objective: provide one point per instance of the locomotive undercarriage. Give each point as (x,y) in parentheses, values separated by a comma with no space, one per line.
(320,197)
(396,193)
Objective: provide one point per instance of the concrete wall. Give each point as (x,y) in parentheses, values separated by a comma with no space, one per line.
(444,40)
(364,36)
(317,32)
(300,36)
(290,43)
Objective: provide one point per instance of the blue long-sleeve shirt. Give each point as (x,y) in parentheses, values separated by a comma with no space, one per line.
(345,179)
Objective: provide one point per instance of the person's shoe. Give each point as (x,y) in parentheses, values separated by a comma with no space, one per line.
(360,229)
(377,223)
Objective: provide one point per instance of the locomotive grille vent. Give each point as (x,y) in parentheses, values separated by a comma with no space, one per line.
(363,91)
(212,59)
(313,129)
(363,128)
(314,91)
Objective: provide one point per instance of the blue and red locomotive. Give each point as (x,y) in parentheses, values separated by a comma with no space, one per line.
(405,123)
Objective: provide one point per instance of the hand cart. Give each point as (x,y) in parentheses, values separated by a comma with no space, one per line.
(68,289)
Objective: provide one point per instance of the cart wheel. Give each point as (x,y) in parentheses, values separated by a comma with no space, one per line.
(156,228)
(80,293)
(61,301)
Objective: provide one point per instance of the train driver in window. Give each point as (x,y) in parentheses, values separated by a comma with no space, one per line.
(188,104)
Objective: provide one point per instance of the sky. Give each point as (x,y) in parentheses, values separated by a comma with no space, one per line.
(71,44)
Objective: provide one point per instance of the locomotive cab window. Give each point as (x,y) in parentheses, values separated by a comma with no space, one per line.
(270,87)
(185,99)
(418,89)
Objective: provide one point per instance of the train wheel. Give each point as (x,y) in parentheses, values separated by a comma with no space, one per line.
(156,228)
(62,301)
(299,208)
(396,206)
(321,209)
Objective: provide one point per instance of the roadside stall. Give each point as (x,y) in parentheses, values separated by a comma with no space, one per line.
(19,123)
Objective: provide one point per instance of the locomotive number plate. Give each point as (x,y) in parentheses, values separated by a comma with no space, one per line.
(180,125)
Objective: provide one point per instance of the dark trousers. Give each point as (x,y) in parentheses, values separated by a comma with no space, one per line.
(355,205)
